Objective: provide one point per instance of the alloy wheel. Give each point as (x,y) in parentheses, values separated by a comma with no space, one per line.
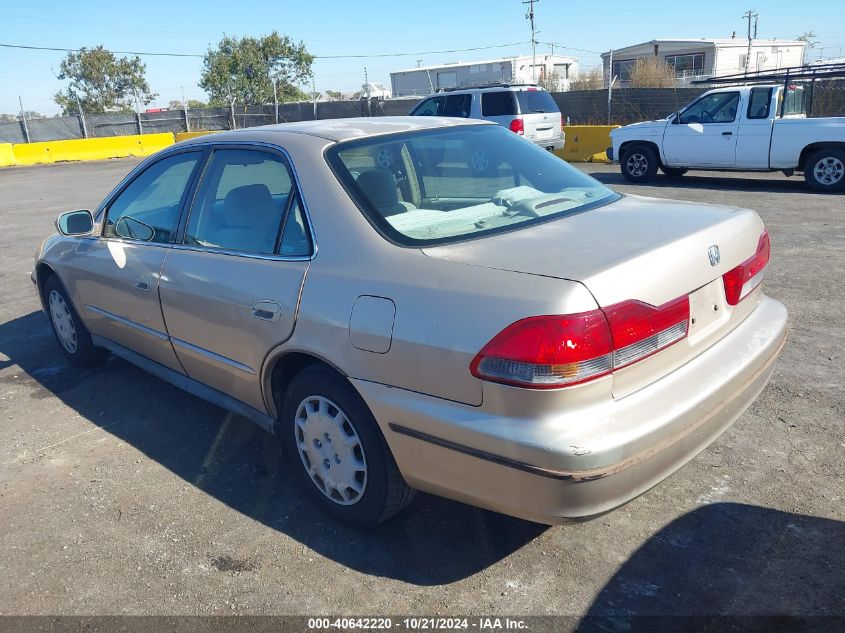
(829,171)
(637,164)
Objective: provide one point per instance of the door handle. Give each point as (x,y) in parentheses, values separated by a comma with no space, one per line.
(727,133)
(143,282)
(266,310)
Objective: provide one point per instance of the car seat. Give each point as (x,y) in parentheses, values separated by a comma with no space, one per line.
(379,186)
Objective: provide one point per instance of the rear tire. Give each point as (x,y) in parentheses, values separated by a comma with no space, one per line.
(673,173)
(639,164)
(337,450)
(73,337)
(825,170)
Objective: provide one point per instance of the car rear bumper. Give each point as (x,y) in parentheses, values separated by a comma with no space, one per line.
(551,144)
(465,453)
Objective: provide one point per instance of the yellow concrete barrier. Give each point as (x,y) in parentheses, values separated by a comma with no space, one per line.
(585,143)
(7,154)
(90,148)
(183,136)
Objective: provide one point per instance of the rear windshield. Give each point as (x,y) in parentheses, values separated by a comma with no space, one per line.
(531,101)
(451,184)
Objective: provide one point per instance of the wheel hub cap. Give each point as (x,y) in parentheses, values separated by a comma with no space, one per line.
(62,321)
(331,450)
(829,171)
(637,164)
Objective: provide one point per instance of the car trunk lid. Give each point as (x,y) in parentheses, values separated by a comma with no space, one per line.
(637,248)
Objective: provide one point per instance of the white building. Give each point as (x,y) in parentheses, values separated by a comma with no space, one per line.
(700,58)
(521,69)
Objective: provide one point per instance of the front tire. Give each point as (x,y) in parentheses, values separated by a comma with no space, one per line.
(639,164)
(73,337)
(825,170)
(337,450)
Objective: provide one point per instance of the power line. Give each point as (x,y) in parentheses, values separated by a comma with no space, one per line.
(374,55)
(77,50)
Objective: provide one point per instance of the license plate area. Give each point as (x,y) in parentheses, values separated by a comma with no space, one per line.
(708,310)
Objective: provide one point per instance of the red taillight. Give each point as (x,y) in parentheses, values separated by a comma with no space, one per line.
(546,352)
(518,126)
(740,281)
(639,329)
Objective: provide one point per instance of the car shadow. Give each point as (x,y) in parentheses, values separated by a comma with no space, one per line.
(433,542)
(776,571)
(719,181)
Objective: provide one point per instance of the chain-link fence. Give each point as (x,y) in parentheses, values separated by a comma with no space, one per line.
(629,105)
(586,107)
(192,120)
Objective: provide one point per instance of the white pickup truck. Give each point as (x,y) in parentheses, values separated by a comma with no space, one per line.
(747,128)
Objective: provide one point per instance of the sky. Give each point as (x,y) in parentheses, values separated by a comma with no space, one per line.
(401,32)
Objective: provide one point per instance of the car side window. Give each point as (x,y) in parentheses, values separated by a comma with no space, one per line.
(499,103)
(295,241)
(429,107)
(457,105)
(759,102)
(719,107)
(241,202)
(148,208)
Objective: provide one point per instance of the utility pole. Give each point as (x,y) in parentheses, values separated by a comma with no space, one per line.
(530,17)
(748,15)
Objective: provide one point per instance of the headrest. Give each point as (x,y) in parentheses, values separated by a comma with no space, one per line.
(380,187)
(249,205)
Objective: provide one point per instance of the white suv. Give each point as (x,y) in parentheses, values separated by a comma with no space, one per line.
(525,109)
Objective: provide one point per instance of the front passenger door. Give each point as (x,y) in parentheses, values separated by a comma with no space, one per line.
(230,291)
(116,274)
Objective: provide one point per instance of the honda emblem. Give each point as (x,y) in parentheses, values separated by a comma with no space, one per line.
(713,254)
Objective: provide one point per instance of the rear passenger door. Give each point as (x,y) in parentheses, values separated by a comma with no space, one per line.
(230,290)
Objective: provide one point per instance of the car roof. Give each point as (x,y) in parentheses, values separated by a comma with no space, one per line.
(339,130)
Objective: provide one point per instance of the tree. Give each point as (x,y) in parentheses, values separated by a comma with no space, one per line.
(810,40)
(245,69)
(334,95)
(552,81)
(102,82)
(651,72)
(593,80)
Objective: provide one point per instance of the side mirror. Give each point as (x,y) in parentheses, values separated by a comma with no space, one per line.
(72,223)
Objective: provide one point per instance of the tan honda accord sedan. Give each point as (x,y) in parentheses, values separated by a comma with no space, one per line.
(425,304)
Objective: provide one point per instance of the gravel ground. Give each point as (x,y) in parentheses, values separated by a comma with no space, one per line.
(120,494)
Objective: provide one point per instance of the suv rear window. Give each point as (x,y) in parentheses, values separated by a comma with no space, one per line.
(531,101)
(498,103)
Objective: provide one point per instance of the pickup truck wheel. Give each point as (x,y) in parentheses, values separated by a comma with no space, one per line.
(825,170)
(673,172)
(639,164)
(71,334)
(337,450)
